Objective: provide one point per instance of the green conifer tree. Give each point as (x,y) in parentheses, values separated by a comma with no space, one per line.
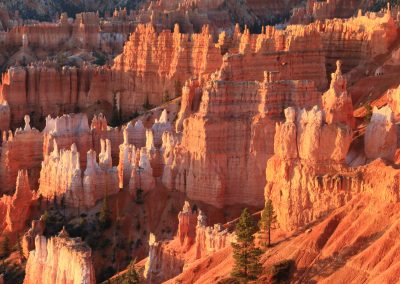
(247,257)
(268,219)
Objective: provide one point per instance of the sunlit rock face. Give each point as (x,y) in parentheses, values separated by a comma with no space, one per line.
(381,135)
(193,241)
(336,102)
(11,161)
(61,176)
(228,126)
(28,239)
(15,208)
(307,175)
(60,260)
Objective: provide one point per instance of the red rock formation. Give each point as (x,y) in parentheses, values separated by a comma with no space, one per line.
(11,160)
(367,254)
(59,260)
(127,161)
(224,122)
(306,176)
(99,179)
(193,241)
(15,209)
(355,40)
(100,131)
(65,131)
(28,240)
(322,10)
(381,135)
(61,176)
(336,102)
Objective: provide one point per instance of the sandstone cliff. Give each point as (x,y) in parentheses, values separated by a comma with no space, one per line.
(227,126)
(59,260)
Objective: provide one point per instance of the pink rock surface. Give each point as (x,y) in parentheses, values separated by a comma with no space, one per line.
(59,260)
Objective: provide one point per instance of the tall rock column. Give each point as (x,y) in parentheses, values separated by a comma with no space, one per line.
(60,260)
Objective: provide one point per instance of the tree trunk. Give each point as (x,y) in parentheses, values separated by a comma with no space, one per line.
(269,237)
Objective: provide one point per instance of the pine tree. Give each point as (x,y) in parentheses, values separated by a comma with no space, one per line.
(268,219)
(132,276)
(246,255)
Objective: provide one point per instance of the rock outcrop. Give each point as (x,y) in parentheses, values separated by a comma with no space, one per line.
(61,176)
(381,135)
(336,102)
(306,177)
(59,260)
(28,240)
(194,240)
(67,130)
(30,141)
(15,209)
(227,126)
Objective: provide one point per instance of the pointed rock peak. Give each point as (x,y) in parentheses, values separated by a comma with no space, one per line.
(176,28)
(139,124)
(201,219)
(338,67)
(63,233)
(22,182)
(290,114)
(27,120)
(163,117)
(73,148)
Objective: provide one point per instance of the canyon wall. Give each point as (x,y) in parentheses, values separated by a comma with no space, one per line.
(226,126)
(59,260)
(307,175)
(143,75)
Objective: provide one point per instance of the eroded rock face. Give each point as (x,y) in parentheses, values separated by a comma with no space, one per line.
(99,180)
(28,240)
(307,177)
(30,141)
(381,135)
(228,127)
(321,10)
(15,209)
(61,176)
(67,130)
(59,260)
(336,102)
(194,240)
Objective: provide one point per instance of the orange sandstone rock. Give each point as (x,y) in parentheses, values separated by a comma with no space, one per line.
(15,208)
(381,135)
(59,260)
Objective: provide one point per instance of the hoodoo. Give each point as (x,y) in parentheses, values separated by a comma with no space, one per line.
(166,141)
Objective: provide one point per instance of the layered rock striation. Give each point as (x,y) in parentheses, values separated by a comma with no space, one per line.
(60,260)
(30,141)
(227,126)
